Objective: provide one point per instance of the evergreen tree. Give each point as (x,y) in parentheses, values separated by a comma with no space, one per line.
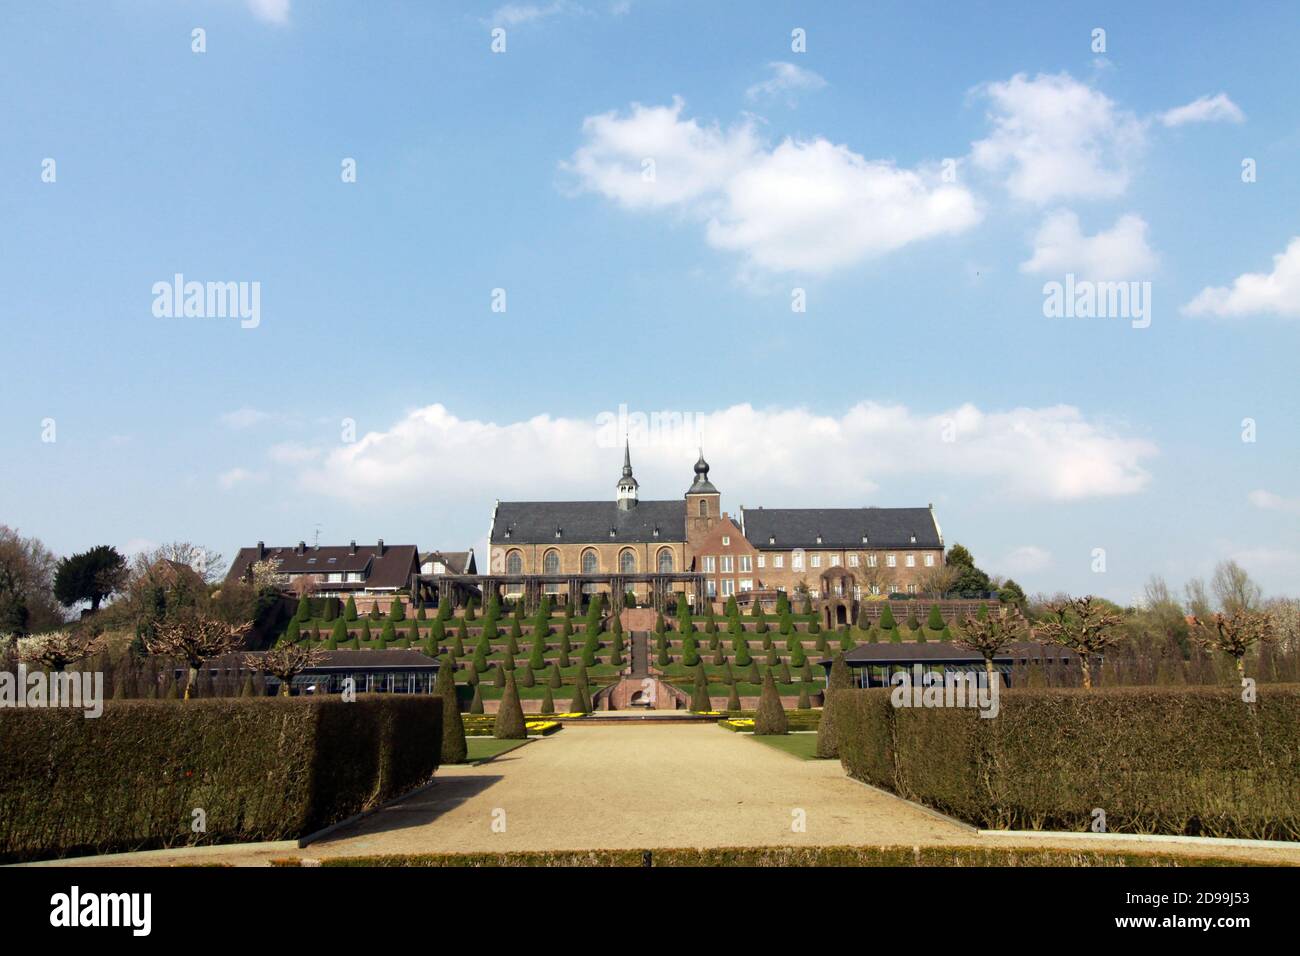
(303,613)
(733,699)
(476,704)
(437,633)
(293,633)
(397,610)
(753,676)
(536,658)
(387,633)
(886,622)
(548,701)
(700,702)
(945,634)
(719,658)
(556,680)
(770,719)
(454,749)
(935,623)
(339,633)
(805,702)
(797,656)
(912,623)
(839,679)
(509,724)
(733,610)
(331,609)
(419,614)
(526,676)
(366,636)
(919,635)
(784,673)
(773,658)
(690,653)
(846,641)
(508,661)
(740,647)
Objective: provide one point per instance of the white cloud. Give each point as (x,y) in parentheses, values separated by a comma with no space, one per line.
(514,14)
(807,205)
(1268,501)
(1252,293)
(292,453)
(245,417)
(272,11)
(1206,109)
(1059,138)
(788,457)
(786,80)
(1120,252)
(237,476)
(1026,559)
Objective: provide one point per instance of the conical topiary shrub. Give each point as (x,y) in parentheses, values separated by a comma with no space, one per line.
(733,699)
(770,719)
(509,724)
(548,702)
(476,705)
(454,749)
(839,679)
(805,702)
(580,704)
(700,702)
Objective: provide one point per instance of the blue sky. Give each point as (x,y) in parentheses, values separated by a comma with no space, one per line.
(923,369)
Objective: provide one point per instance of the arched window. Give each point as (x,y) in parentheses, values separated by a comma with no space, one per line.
(515,562)
(627,562)
(551,562)
(590,564)
(704,507)
(665,561)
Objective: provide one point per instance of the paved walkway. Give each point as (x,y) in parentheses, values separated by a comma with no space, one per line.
(621,787)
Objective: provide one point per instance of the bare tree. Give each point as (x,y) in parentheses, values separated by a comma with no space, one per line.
(938,580)
(1198,599)
(57,649)
(194,638)
(285,662)
(1234,588)
(1235,634)
(208,564)
(989,635)
(1083,625)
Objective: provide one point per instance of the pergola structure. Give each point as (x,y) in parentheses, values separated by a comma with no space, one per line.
(663,586)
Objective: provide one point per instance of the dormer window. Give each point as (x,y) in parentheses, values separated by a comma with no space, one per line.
(726,541)
(864,539)
(558,532)
(819,539)
(612,532)
(771,539)
(655,533)
(507,532)
(913,539)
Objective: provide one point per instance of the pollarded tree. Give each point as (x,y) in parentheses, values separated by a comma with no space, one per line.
(193,639)
(509,724)
(284,663)
(770,719)
(57,649)
(988,636)
(1084,625)
(1236,633)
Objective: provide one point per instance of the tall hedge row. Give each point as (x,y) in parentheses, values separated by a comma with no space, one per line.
(258,769)
(1176,760)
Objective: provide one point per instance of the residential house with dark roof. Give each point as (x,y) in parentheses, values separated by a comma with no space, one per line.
(351,570)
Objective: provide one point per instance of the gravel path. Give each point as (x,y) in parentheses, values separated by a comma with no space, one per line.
(620,787)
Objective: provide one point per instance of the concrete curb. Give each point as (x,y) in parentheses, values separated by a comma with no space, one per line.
(1142,838)
(929,811)
(163,855)
(319,834)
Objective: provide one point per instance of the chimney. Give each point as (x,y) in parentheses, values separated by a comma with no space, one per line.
(301,549)
(352,547)
(261,550)
(380,549)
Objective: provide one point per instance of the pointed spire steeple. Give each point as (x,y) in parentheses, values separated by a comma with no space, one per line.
(627,485)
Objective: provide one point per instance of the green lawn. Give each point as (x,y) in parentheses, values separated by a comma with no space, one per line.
(803,746)
(482,749)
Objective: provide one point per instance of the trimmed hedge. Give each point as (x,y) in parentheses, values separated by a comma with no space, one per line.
(780,856)
(259,769)
(1176,760)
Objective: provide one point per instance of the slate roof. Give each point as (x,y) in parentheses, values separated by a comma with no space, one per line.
(935,652)
(344,659)
(535,522)
(456,562)
(840,527)
(392,569)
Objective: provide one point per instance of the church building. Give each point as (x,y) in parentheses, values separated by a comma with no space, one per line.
(849,553)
